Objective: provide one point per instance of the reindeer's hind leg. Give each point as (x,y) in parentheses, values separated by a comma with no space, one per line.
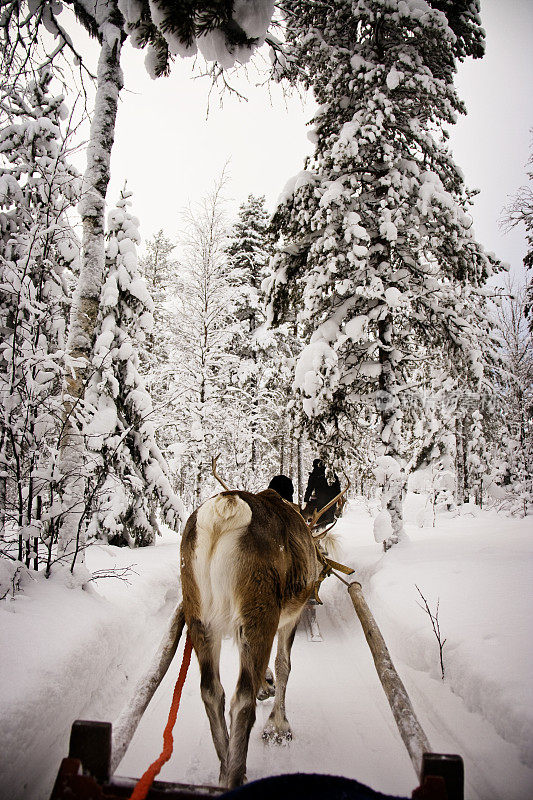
(268,686)
(255,644)
(277,728)
(207,648)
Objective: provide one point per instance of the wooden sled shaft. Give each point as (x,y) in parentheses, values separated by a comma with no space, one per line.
(126,724)
(410,729)
(440,775)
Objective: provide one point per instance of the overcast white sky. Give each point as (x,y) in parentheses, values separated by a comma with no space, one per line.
(170,152)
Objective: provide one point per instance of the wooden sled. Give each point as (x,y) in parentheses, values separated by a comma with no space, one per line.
(84,775)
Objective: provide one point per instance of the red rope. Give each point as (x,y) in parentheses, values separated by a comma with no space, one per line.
(144,783)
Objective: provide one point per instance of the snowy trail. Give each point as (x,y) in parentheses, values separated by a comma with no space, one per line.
(69,654)
(339,715)
(341,721)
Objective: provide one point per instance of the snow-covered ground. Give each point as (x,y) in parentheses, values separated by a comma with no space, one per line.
(68,653)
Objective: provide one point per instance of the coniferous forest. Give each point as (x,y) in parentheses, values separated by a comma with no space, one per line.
(360,321)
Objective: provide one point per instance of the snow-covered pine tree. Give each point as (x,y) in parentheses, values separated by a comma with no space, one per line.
(248,253)
(38,248)
(265,358)
(160,273)
(132,477)
(376,249)
(253,378)
(477,456)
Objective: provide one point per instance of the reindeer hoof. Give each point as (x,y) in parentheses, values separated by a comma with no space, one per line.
(273,734)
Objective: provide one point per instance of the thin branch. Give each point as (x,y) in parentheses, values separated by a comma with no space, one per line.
(434,617)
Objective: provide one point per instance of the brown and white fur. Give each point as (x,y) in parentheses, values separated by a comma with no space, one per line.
(248,567)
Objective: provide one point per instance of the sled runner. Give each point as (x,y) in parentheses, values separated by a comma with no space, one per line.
(311,623)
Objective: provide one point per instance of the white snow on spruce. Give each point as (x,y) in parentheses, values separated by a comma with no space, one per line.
(393,297)
(69,653)
(253,16)
(354,230)
(295,183)
(131,10)
(103,422)
(317,354)
(387,228)
(346,144)
(370,369)
(386,467)
(393,78)
(333,194)
(382,526)
(355,328)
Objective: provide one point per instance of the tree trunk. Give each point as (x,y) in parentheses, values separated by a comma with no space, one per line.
(464,459)
(460,459)
(29,508)
(3,485)
(392,488)
(198,483)
(253,453)
(281,453)
(300,470)
(291,449)
(38,516)
(73,462)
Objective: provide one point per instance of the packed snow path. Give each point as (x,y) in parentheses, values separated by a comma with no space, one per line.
(332,695)
(339,715)
(69,654)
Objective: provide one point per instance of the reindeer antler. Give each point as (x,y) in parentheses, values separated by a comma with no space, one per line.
(317,514)
(317,537)
(214,460)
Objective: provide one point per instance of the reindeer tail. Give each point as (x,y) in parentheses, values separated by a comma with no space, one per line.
(224,512)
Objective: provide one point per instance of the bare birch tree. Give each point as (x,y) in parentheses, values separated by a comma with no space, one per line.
(86,300)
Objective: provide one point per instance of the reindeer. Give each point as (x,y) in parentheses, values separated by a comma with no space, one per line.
(248,567)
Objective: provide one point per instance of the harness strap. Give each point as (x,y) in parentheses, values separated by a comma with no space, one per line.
(144,783)
(328,565)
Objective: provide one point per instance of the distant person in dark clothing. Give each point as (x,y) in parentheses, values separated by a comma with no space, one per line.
(317,484)
(319,492)
(334,487)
